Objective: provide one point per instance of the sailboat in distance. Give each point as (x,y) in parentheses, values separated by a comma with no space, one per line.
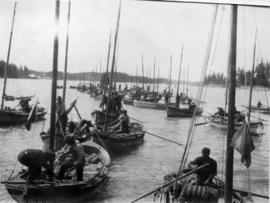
(11,116)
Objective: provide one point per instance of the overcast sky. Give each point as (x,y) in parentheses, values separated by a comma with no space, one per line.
(154,30)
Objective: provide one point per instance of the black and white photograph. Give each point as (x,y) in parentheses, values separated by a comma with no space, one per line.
(124,101)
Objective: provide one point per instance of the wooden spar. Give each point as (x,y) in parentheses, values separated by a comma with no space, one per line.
(142,74)
(231,107)
(8,54)
(54,76)
(154,74)
(108,56)
(113,63)
(158,79)
(251,78)
(116,66)
(170,85)
(136,74)
(108,62)
(100,65)
(187,81)
(66,56)
(183,90)
(179,73)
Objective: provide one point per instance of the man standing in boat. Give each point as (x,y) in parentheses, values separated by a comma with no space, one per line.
(206,174)
(62,113)
(35,159)
(77,159)
(124,122)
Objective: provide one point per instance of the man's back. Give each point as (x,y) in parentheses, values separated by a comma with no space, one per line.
(205,172)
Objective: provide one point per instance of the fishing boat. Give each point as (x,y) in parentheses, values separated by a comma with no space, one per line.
(100,116)
(134,94)
(68,190)
(116,140)
(222,123)
(265,110)
(182,112)
(145,104)
(95,176)
(14,115)
(109,132)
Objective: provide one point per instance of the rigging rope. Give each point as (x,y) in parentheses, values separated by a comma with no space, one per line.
(215,48)
(199,94)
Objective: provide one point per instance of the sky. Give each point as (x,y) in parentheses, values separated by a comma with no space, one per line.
(153,30)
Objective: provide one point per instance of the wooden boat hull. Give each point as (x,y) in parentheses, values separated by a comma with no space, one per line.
(181,112)
(62,192)
(222,124)
(264,110)
(53,193)
(128,101)
(194,193)
(145,104)
(163,106)
(12,116)
(99,117)
(119,142)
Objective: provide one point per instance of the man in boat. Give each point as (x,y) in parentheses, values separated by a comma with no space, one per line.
(24,103)
(206,174)
(77,159)
(103,102)
(124,122)
(35,159)
(220,112)
(166,97)
(192,106)
(62,113)
(259,104)
(177,100)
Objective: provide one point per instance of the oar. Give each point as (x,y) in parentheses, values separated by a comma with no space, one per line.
(103,144)
(163,186)
(135,119)
(197,124)
(77,112)
(158,136)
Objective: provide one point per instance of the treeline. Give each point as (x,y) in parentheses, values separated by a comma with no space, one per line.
(215,78)
(13,71)
(261,76)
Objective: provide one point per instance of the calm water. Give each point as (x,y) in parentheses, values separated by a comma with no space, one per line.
(142,170)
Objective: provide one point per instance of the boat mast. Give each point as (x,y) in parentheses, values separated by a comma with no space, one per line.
(231,107)
(187,81)
(154,74)
(66,56)
(170,85)
(251,78)
(113,63)
(180,67)
(8,54)
(136,74)
(158,79)
(108,62)
(142,73)
(54,76)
